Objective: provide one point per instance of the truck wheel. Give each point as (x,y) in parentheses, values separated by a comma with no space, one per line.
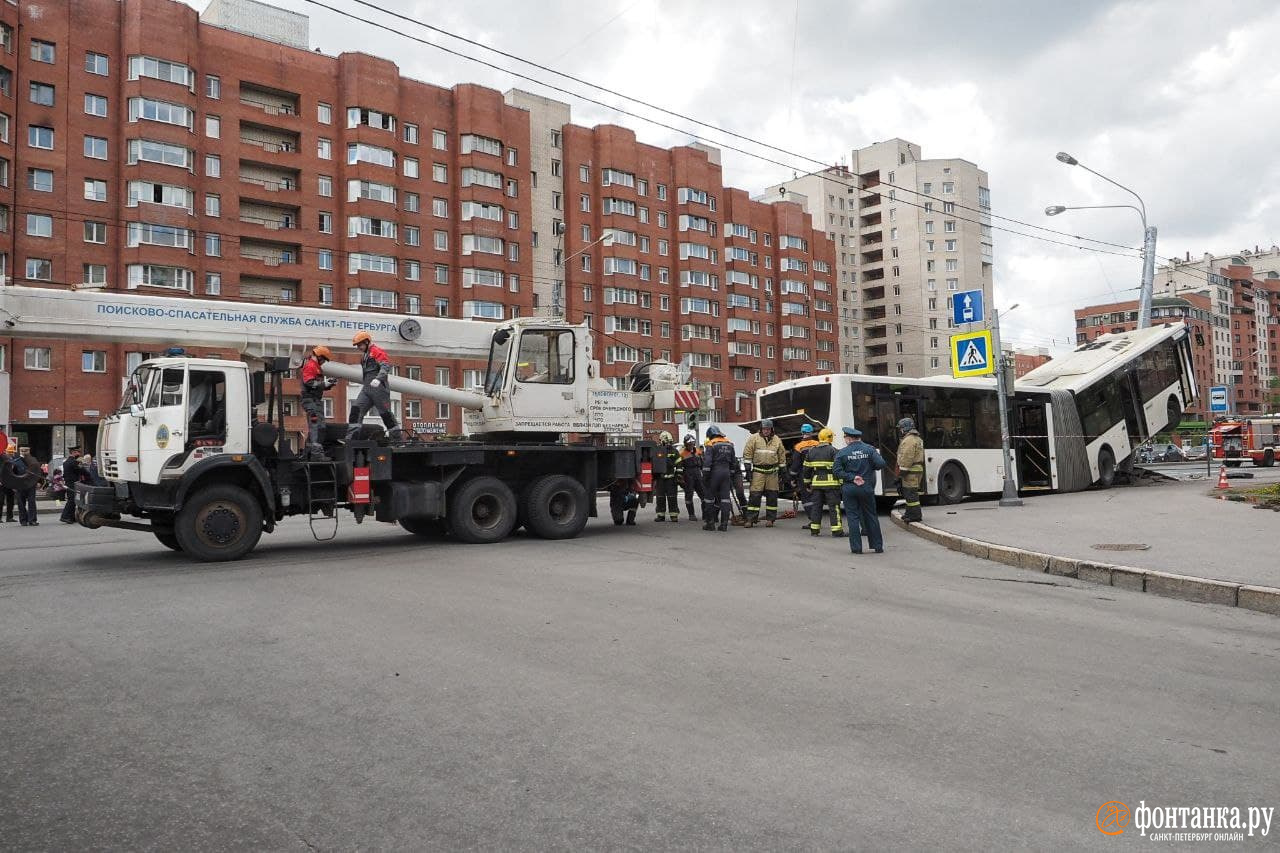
(952,484)
(555,507)
(482,510)
(1106,468)
(1233,463)
(426,528)
(168,539)
(218,523)
(1268,458)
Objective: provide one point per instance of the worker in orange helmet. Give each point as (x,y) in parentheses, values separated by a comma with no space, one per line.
(314,384)
(375,394)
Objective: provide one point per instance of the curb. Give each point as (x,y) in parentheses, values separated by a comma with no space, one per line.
(1263,599)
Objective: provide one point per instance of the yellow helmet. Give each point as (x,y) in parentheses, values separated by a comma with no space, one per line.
(825,435)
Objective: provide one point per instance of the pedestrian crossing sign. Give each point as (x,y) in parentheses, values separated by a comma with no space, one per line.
(971,355)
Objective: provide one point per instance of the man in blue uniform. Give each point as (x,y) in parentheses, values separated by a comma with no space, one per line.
(855,466)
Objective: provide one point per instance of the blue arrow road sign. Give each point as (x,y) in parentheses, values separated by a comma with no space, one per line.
(966,307)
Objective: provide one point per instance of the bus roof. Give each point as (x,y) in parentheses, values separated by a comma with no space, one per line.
(1100,354)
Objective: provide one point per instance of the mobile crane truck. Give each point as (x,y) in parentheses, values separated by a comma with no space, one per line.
(188,457)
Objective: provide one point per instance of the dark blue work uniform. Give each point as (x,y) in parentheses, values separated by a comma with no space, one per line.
(855,467)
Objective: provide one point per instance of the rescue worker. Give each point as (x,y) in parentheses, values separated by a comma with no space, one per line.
(796,467)
(314,384)
(374,393)
(856,466)
(766,454)
(720,461)
(910,468)
(669,481)
(691,468)
(623,501)
(70,476)
(818,463)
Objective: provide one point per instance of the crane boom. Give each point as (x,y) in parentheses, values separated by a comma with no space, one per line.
(251,329)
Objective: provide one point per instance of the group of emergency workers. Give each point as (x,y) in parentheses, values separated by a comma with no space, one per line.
(375,395)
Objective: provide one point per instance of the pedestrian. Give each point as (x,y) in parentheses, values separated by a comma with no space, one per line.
(25,472)
(375,366)
(70,476)
(9,494)
(766,454)
(910,468)
(623,501)
(314,384)
(796,466)
(89,474)
(855,467)
(720,461)
(818,465)
(668,508)
(691,470)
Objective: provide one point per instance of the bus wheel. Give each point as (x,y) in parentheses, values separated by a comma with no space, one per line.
(219,522)
(1268,458)
(482,510)
(1106,468)
(555,507)
(953,485)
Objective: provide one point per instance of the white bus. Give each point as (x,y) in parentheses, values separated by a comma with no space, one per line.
(1073,422)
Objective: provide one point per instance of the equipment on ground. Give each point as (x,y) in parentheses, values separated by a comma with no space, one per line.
(197,452)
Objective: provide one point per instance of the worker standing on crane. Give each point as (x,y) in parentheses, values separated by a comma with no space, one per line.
(766,454)
(669,480)
(374,394)
(691,467)
(314,384)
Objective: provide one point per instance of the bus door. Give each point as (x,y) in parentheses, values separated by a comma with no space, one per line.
(889,410)
(1135,414)
(1031,445)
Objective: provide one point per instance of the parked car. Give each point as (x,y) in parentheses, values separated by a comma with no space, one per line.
(1195,452)
(1152,453)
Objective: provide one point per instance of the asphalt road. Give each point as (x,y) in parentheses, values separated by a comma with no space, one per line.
(646,688)
(1245,475)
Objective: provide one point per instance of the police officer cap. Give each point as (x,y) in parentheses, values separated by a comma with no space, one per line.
(852,432)
(807,428)
(906,424)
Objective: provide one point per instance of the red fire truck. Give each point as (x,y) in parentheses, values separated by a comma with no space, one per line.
(1235,441)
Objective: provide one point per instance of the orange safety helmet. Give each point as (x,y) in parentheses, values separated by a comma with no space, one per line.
(322,352)
(362,338)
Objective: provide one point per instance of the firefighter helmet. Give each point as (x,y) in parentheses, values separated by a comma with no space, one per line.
(767,423)
(714,432)
(322,352)
(690,439)
(362,338)
(906,425)
(825,435)
(665,437)
(806,429)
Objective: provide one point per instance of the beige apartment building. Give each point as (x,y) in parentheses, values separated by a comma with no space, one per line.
(909,233)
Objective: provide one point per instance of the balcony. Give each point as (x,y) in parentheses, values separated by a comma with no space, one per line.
(267,289)
(877,351)
(273,102)
(270,216)
(868,229)
(872,294)
(270,139)
(873,275)
(268,178)
(873,257)
(270,254)
(875,333)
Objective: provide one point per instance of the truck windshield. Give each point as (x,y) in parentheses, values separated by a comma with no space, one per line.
(498,351)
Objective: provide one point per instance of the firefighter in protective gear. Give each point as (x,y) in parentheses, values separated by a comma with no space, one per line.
(720,461)
(314,384)
(910,468)
(669,481)
(824,487)
(766,454)
(374,394)
(796,466)
(691,470)
(623,501)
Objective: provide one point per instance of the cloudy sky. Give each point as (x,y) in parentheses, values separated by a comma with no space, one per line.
(1178,100)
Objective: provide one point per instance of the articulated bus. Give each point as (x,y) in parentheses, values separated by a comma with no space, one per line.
(1073,422)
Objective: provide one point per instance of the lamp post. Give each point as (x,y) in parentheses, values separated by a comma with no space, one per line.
(557,299)
(1009,493)
(1148,236)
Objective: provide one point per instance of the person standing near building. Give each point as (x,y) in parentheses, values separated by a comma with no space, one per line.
(910,468)
(855,467)
(796,467)
(721,460)
(374,393)
(766,454)
(691,474)
(314,384)
(70,476)
(668,508)
(819,462)
(9,495)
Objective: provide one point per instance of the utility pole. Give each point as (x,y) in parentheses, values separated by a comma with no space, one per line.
(1009,496)
(1148,277)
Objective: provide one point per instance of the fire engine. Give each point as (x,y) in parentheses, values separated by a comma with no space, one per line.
(1235,441)
(197,453)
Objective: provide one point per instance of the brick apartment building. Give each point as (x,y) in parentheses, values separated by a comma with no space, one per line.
(1233,313)
(143,148)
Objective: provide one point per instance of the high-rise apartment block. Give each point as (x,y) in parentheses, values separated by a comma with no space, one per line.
(145,149)
(908,234)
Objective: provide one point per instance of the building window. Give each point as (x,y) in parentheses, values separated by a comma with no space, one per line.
(37,358)
(324,186)
(213,245)
(324,259)
(95,190)
(324,113)
(212,166)
(95,274)
(440,208)
(412,235)
(411,204)
(948,187)
(325,222)
(441,240)
(441,275)
(212,87)
(93,361)
(410,167)
(324,149)
(95,232)
(39,269)
(440,173)
(96,63)
(162,112)
(95,105)
(42,51)
(212,205)
(40,180)
(411,133)
(95,147)
(213,127)
(439,140)
(413,272)
(40,137)
(39,225)
(213,283)
(325,294)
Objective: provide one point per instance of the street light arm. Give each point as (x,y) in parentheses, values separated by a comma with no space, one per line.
(1142,212)
(1054,210)
(607,235)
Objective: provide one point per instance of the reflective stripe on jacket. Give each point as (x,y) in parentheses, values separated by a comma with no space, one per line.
(818,462)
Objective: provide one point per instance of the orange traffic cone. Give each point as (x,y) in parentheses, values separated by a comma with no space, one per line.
(1222,478)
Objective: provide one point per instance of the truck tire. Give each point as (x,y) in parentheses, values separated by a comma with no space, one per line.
(218,523)
(953,485)
(555,507)
(482,510)
(1106,468)
(167,538)
(1233,463)
(1268,457)
(426,528)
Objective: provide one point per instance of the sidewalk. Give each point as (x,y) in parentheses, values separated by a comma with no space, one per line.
(1188,532)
